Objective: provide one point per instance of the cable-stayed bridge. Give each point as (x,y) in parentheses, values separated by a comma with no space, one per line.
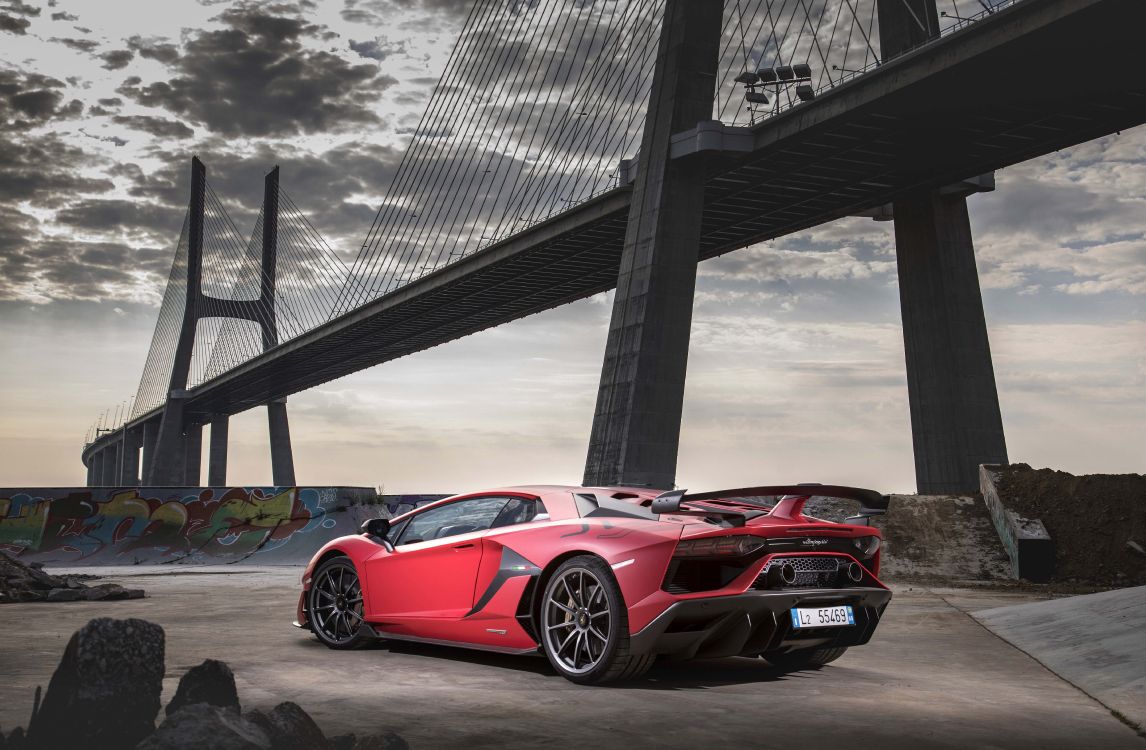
(574,146)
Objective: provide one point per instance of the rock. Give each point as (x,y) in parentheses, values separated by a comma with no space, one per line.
(342,742)
(107,591)
(93,594)
(201,725)
(73,583)
(387,741)
(41,580)
(290,728)
(29,596)
(64,595)
(135,593)
(105,692)
(212,682)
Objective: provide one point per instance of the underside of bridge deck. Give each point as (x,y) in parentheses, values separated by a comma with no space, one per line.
(992,94)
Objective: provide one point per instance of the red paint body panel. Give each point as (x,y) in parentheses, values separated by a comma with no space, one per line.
(477,588)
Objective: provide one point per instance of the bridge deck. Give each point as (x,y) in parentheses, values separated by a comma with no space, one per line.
(1035,77)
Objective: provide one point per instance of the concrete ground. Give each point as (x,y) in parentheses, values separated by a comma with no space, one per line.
(1095,641)
(932,677)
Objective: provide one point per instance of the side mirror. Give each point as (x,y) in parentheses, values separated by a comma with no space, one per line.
(376,527)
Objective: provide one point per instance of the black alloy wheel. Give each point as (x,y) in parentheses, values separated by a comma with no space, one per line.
(334,606)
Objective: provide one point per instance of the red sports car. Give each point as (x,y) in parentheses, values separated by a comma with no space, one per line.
(605,579)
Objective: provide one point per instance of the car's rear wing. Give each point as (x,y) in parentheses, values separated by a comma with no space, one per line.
(790,503)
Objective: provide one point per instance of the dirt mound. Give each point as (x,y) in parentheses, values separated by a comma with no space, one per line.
(1097,521)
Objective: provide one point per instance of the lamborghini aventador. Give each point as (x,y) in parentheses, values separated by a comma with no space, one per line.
(603,580)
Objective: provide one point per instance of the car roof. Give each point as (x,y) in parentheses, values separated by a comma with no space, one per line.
(558,498)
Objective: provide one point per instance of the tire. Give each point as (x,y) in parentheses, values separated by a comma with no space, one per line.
(580,595)
(805,658)
(334,606)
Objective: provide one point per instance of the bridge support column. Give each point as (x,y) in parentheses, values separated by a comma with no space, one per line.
(217,458)
(96,469)
(110,474)
(91,471)
(129,461)
(636,424)
(955,419)
(282,457)
(150,435)
(167,468)
(192,455)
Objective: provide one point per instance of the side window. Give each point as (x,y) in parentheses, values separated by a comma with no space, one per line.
(462,517)
(518,510)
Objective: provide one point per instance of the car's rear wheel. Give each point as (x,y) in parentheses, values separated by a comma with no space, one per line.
(805,658)
(334,605)
(585,625)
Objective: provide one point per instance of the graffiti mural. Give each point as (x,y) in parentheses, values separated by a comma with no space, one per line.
(174,524)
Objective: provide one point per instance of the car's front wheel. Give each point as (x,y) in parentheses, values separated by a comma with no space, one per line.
(334,605)
(805,658)
(585,625)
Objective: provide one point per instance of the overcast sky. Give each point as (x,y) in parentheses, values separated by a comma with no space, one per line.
(796,369)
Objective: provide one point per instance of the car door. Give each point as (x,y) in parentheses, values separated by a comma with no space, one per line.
(433,569)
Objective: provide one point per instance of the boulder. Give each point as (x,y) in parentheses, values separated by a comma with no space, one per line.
(105,591)
(290,728)
(387,741)
(104,694)
(201,726)
(212,682)
(64,595)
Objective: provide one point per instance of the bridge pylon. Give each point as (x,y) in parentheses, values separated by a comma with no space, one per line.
(956,423)
(636,424)
(176,448)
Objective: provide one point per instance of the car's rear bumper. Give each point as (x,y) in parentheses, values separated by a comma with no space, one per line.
(756,621)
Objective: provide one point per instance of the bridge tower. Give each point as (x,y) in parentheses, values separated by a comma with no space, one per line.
(956,423)
(636,424)
(173,452)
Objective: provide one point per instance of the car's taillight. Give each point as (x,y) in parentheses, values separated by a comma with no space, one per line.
(719,546)
(867,545)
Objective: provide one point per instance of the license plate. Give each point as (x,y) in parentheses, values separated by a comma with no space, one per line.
(822,617)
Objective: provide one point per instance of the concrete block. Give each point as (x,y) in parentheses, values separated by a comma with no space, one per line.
(1028,544)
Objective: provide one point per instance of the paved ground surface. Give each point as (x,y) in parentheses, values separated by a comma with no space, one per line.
(932,677)
(1095,641)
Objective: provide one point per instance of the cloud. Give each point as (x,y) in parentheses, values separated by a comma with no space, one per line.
(378,48)
(82,45)
(64,17)
(28,100)
(117,59)
(258,77)
(14,25)
(23,9)
(154,49)
(157,126)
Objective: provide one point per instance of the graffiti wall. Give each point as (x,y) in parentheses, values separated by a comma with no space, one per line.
(81,526)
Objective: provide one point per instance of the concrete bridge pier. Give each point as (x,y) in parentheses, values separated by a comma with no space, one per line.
(192,455)
(149,436)
(282,456)
(129,460)
(91,471)
(956,423)
(109,463)
(636,424)
(217,456)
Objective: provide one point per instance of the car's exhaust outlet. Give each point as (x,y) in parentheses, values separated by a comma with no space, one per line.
(854,572)
(781,575)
